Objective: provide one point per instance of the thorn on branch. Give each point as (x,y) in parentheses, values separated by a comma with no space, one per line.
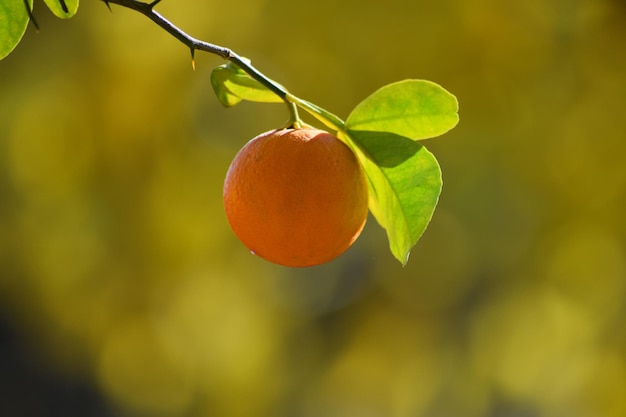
(108,5)
(31,16)
(193,61)
(154,3)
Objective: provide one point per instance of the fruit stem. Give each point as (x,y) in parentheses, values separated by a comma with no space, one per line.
(294,117)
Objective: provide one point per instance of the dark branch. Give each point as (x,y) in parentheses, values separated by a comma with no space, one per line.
(30,14)
(147,9)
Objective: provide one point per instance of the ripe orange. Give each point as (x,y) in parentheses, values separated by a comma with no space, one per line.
(296,197)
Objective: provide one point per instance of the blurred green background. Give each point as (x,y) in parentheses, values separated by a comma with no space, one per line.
(123,291)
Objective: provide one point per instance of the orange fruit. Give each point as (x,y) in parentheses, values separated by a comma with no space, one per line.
(296,197)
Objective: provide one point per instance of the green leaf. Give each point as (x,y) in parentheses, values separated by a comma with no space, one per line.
(415,109)
(13,23)
(219,77)
(231,85)
(404,182)
(63,9)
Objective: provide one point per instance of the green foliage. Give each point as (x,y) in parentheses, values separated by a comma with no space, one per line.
(404,178)
(13,22)
(416,109)
(14,19)
(404,182)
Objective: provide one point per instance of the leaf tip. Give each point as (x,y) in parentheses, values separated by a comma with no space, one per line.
(404,259)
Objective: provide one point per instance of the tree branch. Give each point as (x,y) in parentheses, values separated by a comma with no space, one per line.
(292,102)
(147,9)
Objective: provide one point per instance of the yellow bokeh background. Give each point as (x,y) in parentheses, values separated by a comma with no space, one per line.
(118,270)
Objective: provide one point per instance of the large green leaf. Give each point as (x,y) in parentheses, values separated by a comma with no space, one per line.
(404,181)
(13,23)
(415,109)
(231,85)
(63,8)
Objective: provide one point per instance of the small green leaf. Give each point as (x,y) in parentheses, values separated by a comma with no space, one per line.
(415,109)
(63,9)
(219,76)
(404,182)
(231,85)
(13,23)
